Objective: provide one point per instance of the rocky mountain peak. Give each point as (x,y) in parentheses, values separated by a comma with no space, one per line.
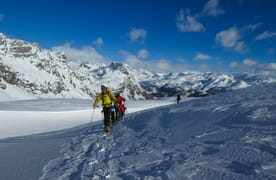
(120,67)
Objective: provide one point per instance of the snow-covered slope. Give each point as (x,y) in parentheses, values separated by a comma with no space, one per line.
(225,136)
(21,118)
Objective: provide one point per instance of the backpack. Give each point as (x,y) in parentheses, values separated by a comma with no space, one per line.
(104,101)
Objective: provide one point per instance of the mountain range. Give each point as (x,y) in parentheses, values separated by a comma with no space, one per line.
(30,72)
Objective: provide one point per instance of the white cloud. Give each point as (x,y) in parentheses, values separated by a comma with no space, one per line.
(84,54)
(188,23)
(143,53)
(131,59)
(252,27)
(212,8)
(272,66)
(249,62)
(205,67)
(252,66)
(234,64)
(266,35)
(99,41)
(165,65)
(202,57)
(231,39)
(137,35)
(160,65)
(2,17)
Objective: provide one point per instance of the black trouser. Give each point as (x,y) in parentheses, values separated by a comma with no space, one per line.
(118,114)
(113,116)
(107,114)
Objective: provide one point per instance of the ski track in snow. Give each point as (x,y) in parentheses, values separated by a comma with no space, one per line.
(226,136)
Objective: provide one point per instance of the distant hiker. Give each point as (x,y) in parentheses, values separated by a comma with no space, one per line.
(106,97)
(121,106)
(178,98)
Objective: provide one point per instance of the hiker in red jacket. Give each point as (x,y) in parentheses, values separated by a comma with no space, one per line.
(121,107)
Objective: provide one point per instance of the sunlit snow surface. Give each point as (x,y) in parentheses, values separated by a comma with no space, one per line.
(28,117)
(226,136)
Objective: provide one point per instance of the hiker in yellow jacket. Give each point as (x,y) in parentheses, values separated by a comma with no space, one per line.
(106,97)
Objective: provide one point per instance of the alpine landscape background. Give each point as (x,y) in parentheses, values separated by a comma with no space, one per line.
(224,128)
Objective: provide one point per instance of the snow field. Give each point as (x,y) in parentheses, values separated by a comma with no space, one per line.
(216,137)
(19,118)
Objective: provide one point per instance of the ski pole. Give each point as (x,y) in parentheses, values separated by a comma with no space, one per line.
(92,116)
(102,114)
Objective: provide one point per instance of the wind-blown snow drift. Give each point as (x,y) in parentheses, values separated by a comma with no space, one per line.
(226,136)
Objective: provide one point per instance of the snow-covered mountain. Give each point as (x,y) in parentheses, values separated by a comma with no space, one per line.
(29,72)
(199,84)
(120,77)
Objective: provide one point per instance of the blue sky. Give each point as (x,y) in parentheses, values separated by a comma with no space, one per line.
(163,35)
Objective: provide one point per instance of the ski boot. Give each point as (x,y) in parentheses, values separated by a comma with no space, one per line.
(106,129)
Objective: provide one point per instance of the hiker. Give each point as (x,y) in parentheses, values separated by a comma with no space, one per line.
(122,110)
(178,98)
(106,97)
(121,107)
